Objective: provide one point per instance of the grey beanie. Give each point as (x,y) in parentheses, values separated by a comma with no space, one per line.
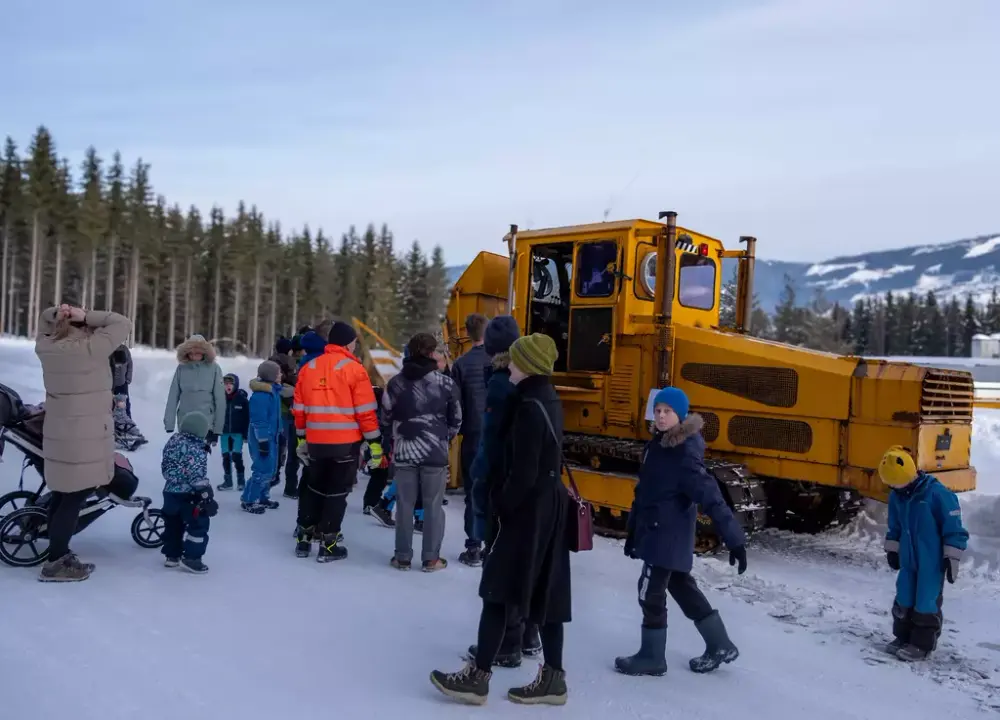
(195,423)
(268,371)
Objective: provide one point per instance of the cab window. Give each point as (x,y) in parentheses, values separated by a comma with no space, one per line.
(596,263)
(696,282)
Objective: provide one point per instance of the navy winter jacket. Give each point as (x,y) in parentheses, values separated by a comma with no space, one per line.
(673,482)
(237,410)
(469,372)
(489,456)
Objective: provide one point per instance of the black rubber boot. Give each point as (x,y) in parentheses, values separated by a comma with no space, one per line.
(651,658)
(718,647)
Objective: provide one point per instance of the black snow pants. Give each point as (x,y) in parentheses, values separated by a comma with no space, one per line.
(327,482)
(654,585)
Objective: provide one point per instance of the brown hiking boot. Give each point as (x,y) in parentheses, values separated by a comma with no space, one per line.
(548,688)
(470,685)
(434,565)
(399,564)
(68,568)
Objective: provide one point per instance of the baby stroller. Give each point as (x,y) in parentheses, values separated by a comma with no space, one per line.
(24,514)
(127,435)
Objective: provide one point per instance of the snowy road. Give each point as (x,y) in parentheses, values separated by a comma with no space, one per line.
(267,635)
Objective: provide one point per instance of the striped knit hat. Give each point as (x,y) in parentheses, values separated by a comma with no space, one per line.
(534,354)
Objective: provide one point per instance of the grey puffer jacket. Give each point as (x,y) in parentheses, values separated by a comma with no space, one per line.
(197,386)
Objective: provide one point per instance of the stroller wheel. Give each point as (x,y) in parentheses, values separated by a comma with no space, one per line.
(149,535)
(24,538)
(15,501)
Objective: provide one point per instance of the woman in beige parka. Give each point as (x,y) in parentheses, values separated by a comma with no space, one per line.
(74,347)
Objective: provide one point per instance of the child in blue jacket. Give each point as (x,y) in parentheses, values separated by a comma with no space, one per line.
(188,500)
(234,433)
(924,542)
(265,424)
(673,483)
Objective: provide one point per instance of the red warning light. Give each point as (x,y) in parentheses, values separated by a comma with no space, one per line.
(703,250)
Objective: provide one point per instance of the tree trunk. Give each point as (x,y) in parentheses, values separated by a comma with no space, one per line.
(85,293)
(188,315)
(256,309)
(295,304)
(133,308)
(156,305)
(218,292)
(272,330)
(57,292)
(4,288)
(92,297)
(171,323)
(109,292)
(236,309)
(33,276)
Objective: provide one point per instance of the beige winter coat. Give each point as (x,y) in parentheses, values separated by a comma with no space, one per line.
(78,432)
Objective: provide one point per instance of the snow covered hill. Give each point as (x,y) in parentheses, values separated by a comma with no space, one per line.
(962,267)
(265,635)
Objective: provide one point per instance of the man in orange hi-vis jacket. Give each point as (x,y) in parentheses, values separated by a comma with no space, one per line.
(335,412)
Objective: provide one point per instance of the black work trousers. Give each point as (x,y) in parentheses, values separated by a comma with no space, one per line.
(495,622)
(470,444)
(326,483)
(64,512)
(654,585)
(377,480)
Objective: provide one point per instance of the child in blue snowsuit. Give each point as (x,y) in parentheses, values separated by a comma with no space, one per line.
(265,424)
(234,433)
(188,500)
(924,542)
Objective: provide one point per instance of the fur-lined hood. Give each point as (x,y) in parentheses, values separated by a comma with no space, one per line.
(688,427)
(195,342)
(501,361)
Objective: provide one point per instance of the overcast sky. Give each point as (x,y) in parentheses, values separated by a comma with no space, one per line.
(823,127)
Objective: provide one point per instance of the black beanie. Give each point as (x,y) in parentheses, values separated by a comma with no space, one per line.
(341,334)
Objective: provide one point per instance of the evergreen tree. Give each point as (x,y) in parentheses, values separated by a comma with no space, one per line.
(970,325)
(437,288)
(991,321)
(415,296)
(892,340)
(953,322)
(930,332)
(790,320)
(861,327)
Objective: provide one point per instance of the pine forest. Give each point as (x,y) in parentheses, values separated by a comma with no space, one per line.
(101,238)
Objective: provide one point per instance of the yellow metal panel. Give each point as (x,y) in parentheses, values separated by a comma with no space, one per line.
(612,490)
(957,455)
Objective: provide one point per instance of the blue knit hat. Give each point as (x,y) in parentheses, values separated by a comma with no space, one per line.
(283,346)
(675,399)
(501,332)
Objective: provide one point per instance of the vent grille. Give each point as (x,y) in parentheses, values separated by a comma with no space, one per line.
(770,434)
(771,386)
(619,410)
(710,430)
(946,396)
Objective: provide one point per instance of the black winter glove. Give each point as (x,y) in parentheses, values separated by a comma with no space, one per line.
(739,555)
(207,504)
(630,546)
(892,558)
(951,569)
(264,448)
(212,438)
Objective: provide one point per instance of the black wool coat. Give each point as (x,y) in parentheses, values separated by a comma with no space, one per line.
(528,563)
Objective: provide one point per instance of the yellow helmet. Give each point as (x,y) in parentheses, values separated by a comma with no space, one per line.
(897,468)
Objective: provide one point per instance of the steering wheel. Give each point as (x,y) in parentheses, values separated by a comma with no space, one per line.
(541,280)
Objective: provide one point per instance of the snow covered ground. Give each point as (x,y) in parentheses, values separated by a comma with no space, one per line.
(266,635)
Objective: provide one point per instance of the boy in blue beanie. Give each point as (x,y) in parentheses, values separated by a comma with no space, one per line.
(673,483)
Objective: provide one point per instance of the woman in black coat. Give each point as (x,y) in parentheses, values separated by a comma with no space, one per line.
(527,569)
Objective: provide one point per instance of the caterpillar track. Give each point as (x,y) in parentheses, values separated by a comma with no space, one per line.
(743,492)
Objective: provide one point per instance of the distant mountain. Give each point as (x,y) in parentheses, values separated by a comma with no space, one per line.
(962,267)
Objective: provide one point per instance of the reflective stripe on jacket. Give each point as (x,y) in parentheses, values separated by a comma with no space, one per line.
(334,401)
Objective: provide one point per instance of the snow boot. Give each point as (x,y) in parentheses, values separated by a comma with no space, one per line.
(241,480)
(470,685)
(330,548)
(253,508)
(434,565)
(893,647)
(548,688)
(718,647)
(473,557)
(270,504)
(68,568)
(192,565)
(383,516)
(400,564)
(171,562)
(531,641)
(303,541)
(911,653)
(506,658)
(226,484)
(651,658)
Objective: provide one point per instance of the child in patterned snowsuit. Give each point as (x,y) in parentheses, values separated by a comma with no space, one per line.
(188,501)
(127,435)
(924,543)
(265,424)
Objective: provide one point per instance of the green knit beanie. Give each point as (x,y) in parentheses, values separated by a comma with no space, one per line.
(195,423)
(534,354)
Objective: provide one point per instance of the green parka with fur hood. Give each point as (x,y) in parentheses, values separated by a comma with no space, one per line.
(196,387)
